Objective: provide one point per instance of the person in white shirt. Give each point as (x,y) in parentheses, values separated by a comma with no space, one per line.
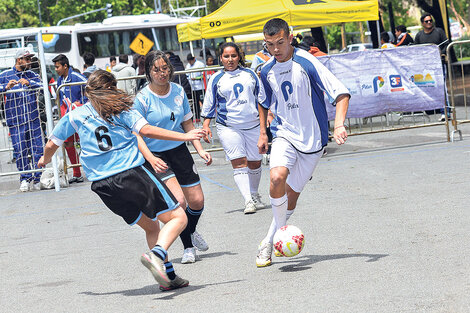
(232,99)
(196,82)
(295,85)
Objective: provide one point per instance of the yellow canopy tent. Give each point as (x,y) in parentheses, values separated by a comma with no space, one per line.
(237,17)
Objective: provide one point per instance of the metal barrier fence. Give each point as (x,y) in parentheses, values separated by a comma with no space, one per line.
(459,82)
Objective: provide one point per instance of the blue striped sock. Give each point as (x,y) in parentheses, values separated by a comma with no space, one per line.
(170,271)
(193,218)
(160,252)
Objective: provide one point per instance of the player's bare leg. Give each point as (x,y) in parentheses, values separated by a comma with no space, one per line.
(157,259)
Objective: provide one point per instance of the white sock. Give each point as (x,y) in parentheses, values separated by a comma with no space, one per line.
(240,175)
(272,228)
(255,177)
(279,207)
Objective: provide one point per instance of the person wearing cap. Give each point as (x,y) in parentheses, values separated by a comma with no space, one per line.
(19,86)
(196,82)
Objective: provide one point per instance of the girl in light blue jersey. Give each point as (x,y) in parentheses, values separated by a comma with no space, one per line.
(164,104)
(112,161)
(232,99)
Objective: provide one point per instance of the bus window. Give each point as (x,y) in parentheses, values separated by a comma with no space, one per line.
(167,38)
(53,43)
(10,43)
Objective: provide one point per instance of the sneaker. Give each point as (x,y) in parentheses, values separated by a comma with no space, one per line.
(257,201)
(443,118)
(263,258)
(176,283)
(189,256)
(157,267)
(78,179)
(24,186)
(199,242)
(250,207)
(36,186)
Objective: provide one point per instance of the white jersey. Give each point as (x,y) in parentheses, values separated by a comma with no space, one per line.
(233,95)
(295,92)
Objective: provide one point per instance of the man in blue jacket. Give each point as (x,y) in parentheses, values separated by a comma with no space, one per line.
(22,117)
(70,98)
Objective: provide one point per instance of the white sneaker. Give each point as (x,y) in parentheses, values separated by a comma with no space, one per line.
(443,118)
(257,201)
(36,186)
(24,186)
(189,256)
(250,207)
(263,259)
(199,242)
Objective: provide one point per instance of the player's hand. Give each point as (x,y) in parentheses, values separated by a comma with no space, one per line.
(340,134)
(11,83)
(206,156)
(158,165)
(208,136)
(263,144)
(42,162)
(24,82)
(195,134)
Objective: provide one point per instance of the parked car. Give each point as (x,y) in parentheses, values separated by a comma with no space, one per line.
(357,47)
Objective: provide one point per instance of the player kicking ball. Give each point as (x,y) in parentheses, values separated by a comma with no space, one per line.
(122,179)
(295,83)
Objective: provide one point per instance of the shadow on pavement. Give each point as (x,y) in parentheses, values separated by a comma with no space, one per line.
(302,263)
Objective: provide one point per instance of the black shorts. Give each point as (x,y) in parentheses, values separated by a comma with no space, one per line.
(134,192)
(180,164)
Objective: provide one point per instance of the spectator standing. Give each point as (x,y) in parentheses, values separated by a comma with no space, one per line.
(403,38)
(180,79)
(195,80)
(112,63)
(121,70)
(435,35)
(260,58)
(89,66)
(70,98)
(385,41)
(208,74)
(22,117)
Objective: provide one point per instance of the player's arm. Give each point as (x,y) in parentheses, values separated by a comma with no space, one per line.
(165,134)
(158,164)
(340,134)
(49,151)
(263,137)
(187,127)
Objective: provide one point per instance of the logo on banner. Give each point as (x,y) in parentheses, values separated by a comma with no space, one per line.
(396,83)
(302,2)
(378,83)
(352,85)
(421,80)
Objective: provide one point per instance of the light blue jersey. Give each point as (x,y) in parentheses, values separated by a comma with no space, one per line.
(168,112)
(106,149)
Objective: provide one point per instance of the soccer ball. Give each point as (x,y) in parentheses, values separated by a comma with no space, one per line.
(289,240)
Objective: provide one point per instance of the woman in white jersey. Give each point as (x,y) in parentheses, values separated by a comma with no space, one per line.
(231,98)
(123,180)
(164,104)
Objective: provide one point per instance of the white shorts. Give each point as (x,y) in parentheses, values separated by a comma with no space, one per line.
(300,165)
(238,143)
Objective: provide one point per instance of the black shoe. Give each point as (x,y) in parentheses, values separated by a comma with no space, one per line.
(74,179)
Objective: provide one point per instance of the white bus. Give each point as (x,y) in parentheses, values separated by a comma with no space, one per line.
(112,37)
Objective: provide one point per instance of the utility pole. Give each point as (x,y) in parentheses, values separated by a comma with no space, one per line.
(40,19)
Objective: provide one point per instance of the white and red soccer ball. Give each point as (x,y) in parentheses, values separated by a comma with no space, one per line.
(289,240)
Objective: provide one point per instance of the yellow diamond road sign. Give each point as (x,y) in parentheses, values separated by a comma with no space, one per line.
(141,44)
